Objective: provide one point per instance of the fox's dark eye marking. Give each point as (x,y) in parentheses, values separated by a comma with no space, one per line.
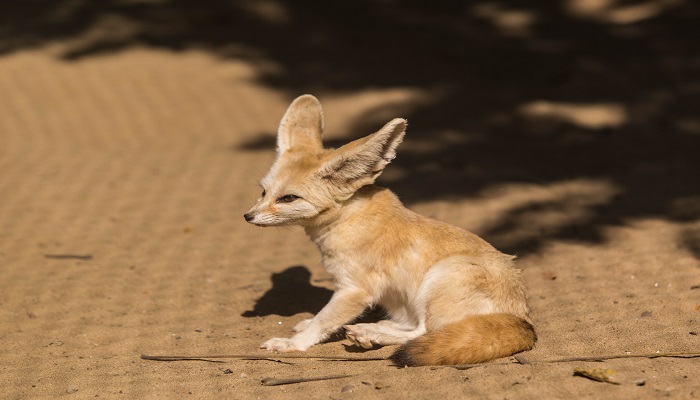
(263,193)
(287,198)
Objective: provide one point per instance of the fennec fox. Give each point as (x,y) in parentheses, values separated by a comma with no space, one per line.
(450,296)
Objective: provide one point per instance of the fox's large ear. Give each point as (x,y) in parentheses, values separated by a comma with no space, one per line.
(360,162)
(301,125)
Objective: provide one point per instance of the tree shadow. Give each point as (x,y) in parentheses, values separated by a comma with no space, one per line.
(535,93)
(291,293)
(690,240)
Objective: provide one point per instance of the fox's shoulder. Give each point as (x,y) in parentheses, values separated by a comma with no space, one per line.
(381,213)
(373,204)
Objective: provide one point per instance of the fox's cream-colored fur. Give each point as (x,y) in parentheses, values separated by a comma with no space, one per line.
(450,296)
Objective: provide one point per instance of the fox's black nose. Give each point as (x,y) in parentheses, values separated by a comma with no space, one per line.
(248,217)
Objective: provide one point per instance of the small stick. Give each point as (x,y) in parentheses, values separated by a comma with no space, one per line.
(253,357)
(524,361)
(469,366)
(207,359)
(676,354)
(69,256)
(289,381)
(158,358)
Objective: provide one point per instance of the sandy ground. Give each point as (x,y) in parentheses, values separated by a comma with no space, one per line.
(124,177)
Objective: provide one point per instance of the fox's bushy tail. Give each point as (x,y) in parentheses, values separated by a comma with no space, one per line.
(475,339)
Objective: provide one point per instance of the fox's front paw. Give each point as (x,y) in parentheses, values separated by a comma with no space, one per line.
(281,344)
(302,325)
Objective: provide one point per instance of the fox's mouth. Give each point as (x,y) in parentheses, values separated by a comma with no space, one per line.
(260,225)
(256,223)
(253,219)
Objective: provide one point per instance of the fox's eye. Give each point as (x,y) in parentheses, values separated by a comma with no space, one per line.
(287,198)
(263,193)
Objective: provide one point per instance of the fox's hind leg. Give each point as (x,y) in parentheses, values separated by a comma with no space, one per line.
(383,333)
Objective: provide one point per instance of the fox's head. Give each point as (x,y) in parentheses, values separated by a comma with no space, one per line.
(307,181)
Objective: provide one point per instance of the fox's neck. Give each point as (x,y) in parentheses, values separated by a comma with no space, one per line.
(369,206)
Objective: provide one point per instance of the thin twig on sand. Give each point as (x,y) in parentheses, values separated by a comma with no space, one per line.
(211,357)
(675,354)
(289,381)
(522,360)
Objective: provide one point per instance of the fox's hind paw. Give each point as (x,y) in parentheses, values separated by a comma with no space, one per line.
(383,333)
(359,336)
(280,344)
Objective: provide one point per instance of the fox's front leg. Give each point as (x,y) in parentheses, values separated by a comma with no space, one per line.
(345,305)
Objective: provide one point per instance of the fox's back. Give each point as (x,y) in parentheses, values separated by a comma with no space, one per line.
(377,231)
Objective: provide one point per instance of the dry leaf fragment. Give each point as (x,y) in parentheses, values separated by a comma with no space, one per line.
(597,374)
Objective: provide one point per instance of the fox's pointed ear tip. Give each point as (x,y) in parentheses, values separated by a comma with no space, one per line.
(400,123)
(306,98)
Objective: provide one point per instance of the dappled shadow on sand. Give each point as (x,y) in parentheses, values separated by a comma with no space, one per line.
(544,94)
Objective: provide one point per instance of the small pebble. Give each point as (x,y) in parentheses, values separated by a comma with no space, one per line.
(646,314)
(640,382)
(347,388)
(243,375)
(227,371)
(71,389)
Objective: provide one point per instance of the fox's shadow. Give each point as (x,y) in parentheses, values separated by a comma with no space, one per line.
(291,293)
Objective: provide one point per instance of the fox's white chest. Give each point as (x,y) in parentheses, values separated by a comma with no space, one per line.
(388,279)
